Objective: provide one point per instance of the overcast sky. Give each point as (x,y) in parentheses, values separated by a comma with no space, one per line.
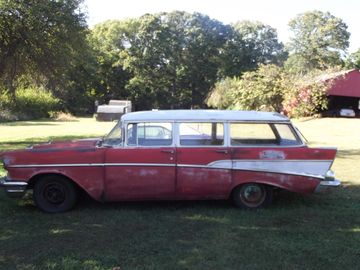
(276,13)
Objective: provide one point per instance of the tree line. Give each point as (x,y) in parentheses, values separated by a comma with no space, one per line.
(165,60)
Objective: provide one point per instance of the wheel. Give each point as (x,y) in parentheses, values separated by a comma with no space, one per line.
(54,194)
(252,196)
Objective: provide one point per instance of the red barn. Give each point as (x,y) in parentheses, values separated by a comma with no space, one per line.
(345,91)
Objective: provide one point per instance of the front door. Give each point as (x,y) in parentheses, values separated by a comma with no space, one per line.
(145,167)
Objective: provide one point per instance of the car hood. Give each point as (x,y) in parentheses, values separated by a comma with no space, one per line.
(65,145)
(83,144)
(25,156)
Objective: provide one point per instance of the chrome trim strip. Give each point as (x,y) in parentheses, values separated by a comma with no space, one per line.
(219,164)
(11,184)
(159,164)
(140,164)
(252,170)
(91,165)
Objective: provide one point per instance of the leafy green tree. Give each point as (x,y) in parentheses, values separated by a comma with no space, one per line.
(254,43)
(39,39)
(108,41)
(221,96)
(353,61)
(318,42)
(174,59)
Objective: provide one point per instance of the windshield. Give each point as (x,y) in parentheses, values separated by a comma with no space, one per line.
(114,137)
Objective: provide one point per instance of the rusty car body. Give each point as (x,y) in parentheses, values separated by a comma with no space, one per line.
(174,155)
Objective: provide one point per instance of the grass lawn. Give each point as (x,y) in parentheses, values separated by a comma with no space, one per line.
(296,232)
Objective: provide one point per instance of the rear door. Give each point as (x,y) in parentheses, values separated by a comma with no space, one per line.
(203,161)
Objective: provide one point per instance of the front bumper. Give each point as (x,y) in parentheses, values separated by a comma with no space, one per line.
(14,189)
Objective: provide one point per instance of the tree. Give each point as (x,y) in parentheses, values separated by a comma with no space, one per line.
(221,96)
(353,61)
(318,42)
(251,44)
(108,41)
(174,59)
(39,39)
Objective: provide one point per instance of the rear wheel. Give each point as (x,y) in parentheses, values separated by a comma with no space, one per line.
(54,194)
(252,196)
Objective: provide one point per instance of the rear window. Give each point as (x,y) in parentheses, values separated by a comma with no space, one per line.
(262,134)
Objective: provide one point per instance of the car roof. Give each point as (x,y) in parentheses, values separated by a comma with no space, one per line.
(203,115)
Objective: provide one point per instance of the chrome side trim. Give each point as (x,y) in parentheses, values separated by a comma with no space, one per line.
(11,184)
(238,165)
(91,165)
(211,164)
(252,170)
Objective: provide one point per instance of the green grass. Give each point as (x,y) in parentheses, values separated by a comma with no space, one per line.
(296,232)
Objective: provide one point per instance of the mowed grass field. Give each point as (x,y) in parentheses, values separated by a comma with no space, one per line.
(296,232)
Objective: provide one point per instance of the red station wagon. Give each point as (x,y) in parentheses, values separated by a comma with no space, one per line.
(174,155)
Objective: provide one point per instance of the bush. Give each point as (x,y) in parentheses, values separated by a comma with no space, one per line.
(29,103)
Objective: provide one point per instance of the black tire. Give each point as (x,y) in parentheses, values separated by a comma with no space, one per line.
(252,196)
(54,194)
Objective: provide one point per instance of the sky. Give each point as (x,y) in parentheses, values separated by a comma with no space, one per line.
(276,13)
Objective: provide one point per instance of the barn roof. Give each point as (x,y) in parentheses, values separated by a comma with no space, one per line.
(346,83)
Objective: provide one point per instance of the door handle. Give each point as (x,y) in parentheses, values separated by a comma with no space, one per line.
(224,151)
(168,151)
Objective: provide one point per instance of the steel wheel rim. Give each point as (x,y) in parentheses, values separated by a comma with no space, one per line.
(252,195)
(54,193)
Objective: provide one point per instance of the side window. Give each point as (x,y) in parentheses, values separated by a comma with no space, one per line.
(262,134)
(149,134)
(198,134)
(252,133)
(287,135)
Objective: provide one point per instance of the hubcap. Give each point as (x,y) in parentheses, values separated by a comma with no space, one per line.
(252,195)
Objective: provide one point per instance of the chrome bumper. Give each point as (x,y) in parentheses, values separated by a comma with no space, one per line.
(14,189)
(326,185)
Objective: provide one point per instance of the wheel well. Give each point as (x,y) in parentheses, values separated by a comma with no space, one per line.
(35,178)
(239,185)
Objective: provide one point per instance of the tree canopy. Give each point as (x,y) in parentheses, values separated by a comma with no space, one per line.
(165,60)
(319,40)
(39,39)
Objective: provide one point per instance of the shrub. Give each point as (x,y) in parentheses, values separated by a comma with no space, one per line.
(29,103)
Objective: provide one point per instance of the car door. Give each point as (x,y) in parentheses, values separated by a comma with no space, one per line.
(203,161)
(144,168)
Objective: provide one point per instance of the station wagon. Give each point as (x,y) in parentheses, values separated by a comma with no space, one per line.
(174,155)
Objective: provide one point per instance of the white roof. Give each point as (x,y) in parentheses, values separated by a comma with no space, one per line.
(204,115)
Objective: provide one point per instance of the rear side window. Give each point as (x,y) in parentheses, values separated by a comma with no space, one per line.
(287,135)
(149,134)
(201,134)
(262,134)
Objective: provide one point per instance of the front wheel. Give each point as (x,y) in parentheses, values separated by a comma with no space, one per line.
(252,196)
(54,194)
